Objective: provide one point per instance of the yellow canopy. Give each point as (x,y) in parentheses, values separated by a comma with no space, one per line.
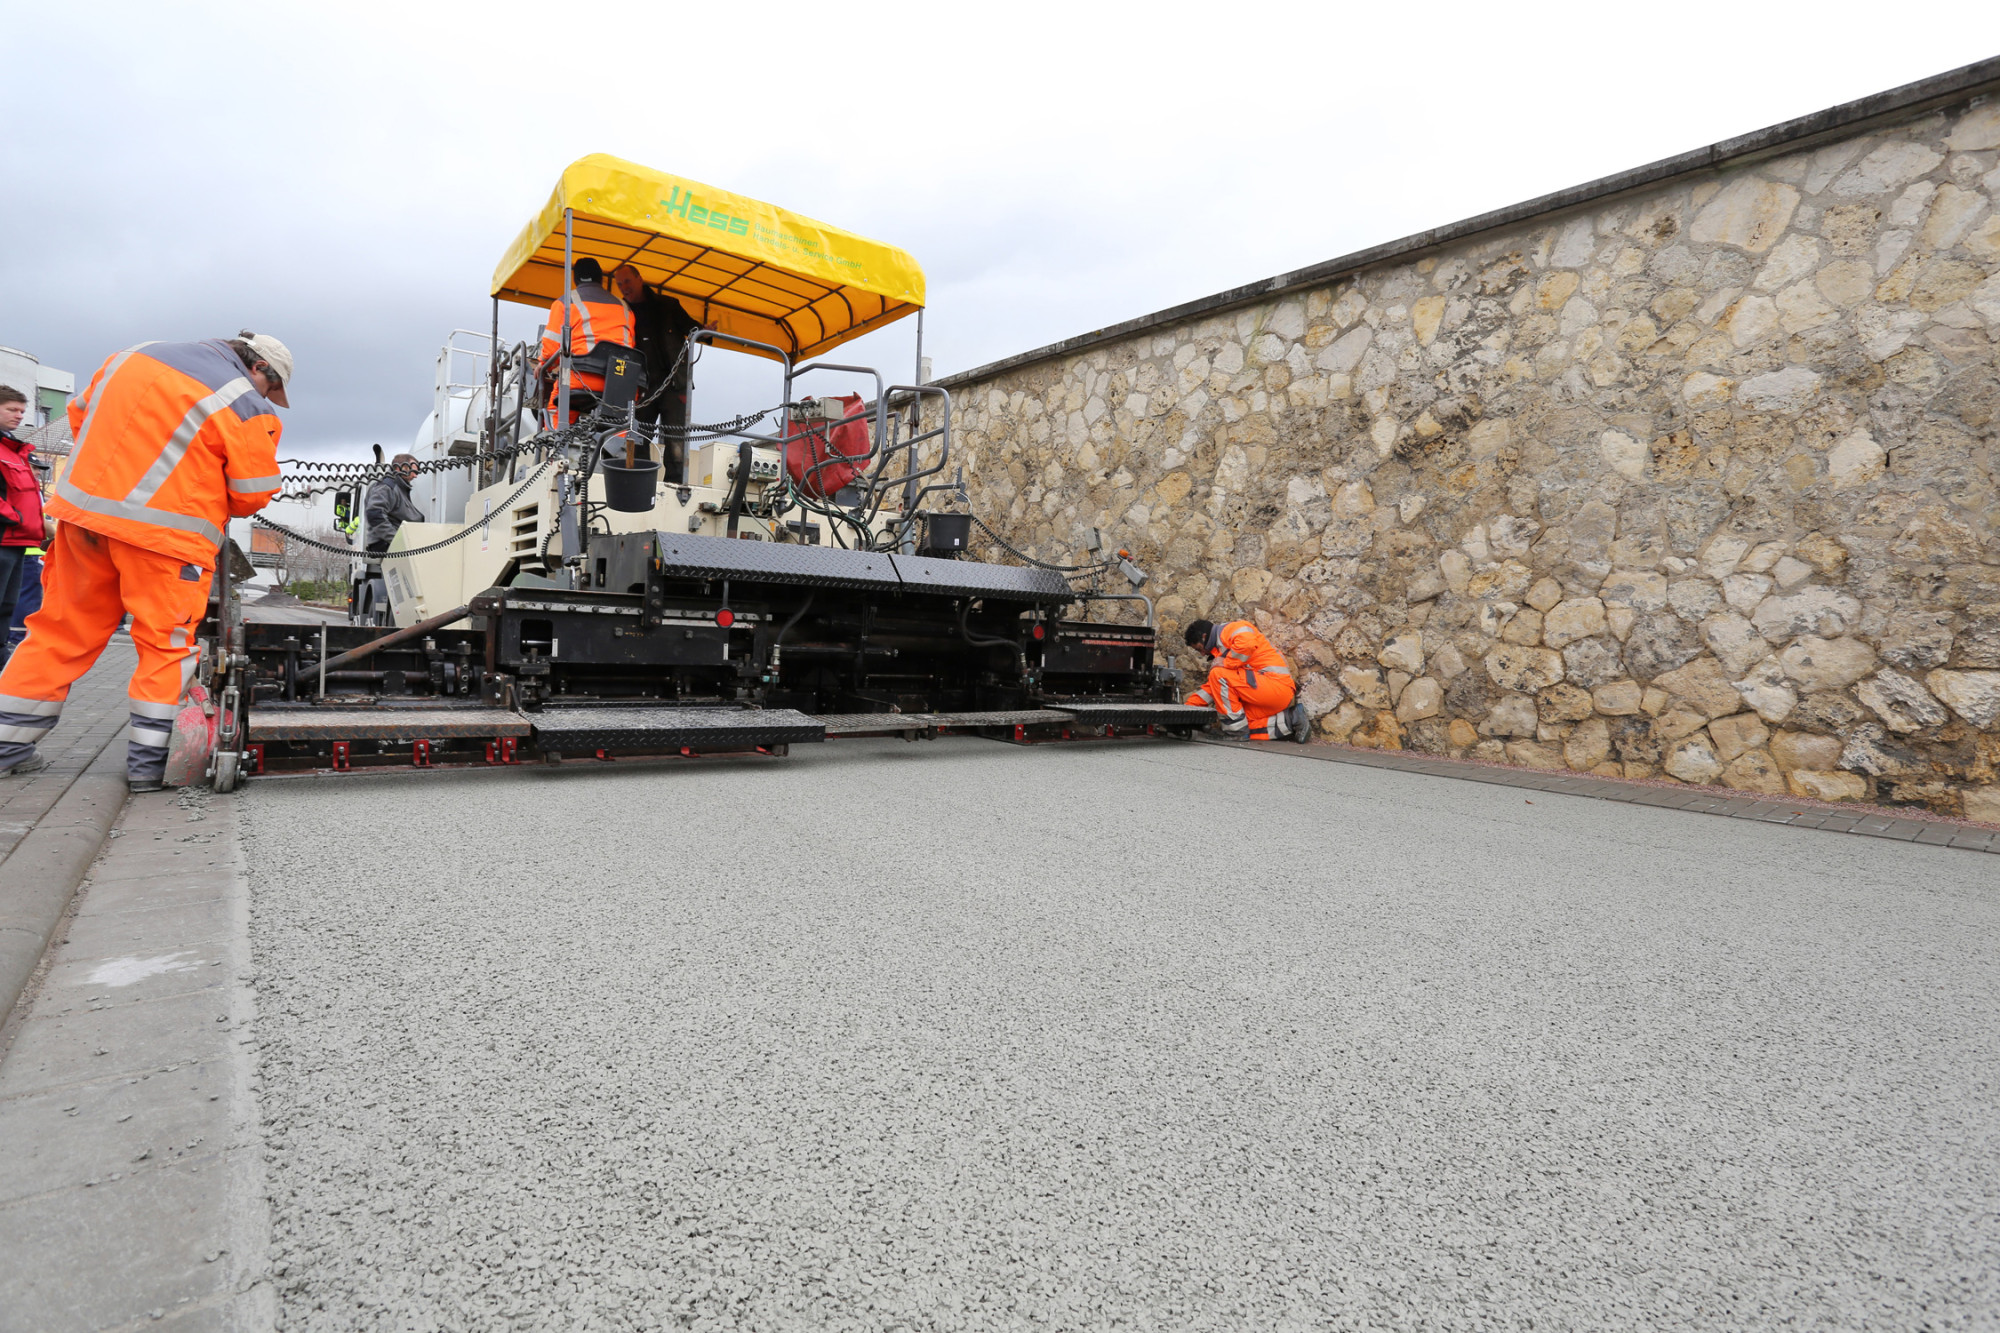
(744,267)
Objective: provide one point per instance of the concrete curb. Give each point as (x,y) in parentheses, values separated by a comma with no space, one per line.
(40,877)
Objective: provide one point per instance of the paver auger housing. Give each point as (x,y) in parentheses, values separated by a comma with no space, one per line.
(581,602)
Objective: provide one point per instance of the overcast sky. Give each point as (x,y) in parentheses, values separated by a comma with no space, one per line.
(346,177)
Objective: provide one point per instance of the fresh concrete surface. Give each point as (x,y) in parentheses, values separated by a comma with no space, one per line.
(53,822)
(131,1172)
(963,1035)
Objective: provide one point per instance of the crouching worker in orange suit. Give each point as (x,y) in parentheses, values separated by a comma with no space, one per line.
(1249,685)
(172,440)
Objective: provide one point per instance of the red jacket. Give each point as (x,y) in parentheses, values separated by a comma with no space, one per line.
(20,495)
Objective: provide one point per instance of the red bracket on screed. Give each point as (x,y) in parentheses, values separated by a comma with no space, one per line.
(1065,733)
(340,763)
(1110,732)
(687,752)
(256,753)
(1021,733)
(605,757)
(420,754)
(501,751)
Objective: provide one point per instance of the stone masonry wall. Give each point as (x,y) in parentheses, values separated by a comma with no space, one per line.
(1696,483)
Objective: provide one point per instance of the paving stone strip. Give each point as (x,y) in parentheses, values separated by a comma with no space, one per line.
(131,1181)
(53,822)
(1869,821)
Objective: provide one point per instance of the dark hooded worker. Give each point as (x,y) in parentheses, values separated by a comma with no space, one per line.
(389,506)
(1249,684)
(660,326)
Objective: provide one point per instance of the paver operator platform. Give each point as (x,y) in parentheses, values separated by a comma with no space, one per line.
(801,578)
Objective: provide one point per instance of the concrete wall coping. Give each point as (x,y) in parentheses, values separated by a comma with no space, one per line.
(1964,83)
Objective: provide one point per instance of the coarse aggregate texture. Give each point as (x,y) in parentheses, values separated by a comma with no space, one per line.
(963,1035)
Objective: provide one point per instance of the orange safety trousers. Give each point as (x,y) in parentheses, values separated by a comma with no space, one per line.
(580,381)
(89,582)
(1231,692)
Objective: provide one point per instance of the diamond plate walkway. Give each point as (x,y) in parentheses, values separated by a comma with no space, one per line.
(1869,821)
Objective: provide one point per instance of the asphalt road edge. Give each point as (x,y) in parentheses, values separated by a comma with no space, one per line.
(40,877)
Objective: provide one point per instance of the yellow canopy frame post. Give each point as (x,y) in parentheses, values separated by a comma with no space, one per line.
(736,264)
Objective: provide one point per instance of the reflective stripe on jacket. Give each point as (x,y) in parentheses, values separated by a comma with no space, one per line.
(171,442)
(596,316)
(1242,644)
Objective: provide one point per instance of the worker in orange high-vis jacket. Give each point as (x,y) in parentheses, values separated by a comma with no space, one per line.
(597,319)
(1249,684)
(172,440)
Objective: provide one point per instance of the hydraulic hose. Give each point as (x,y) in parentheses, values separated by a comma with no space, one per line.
(778,641)
(982,641)
(741,487)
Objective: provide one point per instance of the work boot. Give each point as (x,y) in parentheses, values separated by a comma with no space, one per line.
(1298,722)
(1235,728)
(137,785)
(23,766)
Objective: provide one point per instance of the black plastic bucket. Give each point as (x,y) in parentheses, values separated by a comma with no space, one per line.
(630,490)
(946,534)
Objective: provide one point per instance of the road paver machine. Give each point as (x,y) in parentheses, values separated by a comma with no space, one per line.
(617,587)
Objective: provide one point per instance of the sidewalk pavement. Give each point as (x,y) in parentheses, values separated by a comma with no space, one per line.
(131,1175)
(53,822)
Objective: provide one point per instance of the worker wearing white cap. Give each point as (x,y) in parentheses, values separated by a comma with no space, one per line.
(172,441)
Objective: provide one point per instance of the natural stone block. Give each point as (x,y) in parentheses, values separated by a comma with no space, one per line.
(1383,732)
(1636,589)
(1619,620)
(1822,785)
(1753,770)
(1447,662)
(1765,688)
(1820,611)
(1534,754)
(1342,723)
(1827,664)
(1421,698)
(1589,745)
(1654,700)
(1462,733)
(1365,686)
(1973,695)
(1545,593)
(1745,592)
(1982,804)
(1592,662)
(1398,681)
(1512,716)
(1749,213)
(1903,704)
(1735,735)
(1563,703)
(1693,760)
(1677,722)
(1802,749)
(1659,643)
(1735,642)
(1524,670)
(1619,698)
(1693,599)
(1523,627)
(1787,390)
(1703,684)
(1720,554)
(1404,652)
(1576,618)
